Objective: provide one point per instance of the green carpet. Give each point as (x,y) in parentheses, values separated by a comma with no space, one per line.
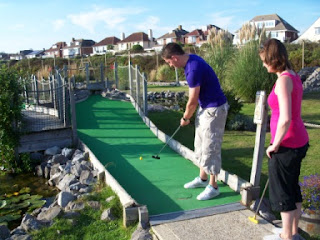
(115,133)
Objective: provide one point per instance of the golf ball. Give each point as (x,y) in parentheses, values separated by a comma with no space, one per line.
(140,158)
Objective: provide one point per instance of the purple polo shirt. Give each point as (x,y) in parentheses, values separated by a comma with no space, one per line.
(199,73)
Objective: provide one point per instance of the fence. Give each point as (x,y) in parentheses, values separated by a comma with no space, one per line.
(125,78)
(47,103)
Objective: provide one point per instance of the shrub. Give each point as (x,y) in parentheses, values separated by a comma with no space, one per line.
(10,115)
(166,73)
(246,74)
(137,48)
(310,189)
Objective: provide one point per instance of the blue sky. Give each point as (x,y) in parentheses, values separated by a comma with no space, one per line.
(37,24)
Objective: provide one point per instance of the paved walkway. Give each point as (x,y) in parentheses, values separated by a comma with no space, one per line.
(233,225)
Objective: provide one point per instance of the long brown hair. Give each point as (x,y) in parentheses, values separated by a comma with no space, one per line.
(274,54)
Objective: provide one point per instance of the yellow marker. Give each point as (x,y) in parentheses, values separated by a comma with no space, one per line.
(140,158)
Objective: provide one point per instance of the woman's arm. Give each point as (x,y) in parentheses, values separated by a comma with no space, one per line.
(283,90)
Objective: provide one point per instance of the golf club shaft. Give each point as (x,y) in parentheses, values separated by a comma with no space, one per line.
(169,139)
(264,191)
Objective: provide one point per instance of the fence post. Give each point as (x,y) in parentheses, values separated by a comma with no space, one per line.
(101,72)
(36,91)
(137,86)
(26,91)
(177,77)
(116,74)
(65,71)
(73,113)
(145,95)
(87,74)
(130,77)
(64,102)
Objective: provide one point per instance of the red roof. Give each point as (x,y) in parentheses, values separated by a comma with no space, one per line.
(136,37)
(108,41)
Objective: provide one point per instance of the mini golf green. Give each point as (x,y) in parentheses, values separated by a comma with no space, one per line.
(118,137)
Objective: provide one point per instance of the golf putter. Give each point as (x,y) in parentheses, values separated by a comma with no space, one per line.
(157,156)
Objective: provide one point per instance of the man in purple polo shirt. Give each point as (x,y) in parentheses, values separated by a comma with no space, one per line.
(205,91)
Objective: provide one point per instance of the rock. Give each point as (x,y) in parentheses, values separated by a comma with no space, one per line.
(55,179)
(55,169)
(86,177)
(94,204)
(73,206)
(59,158)
(30,223)
(107,215)
(66,181)
(19,237)
(49,214)
(53,151)
(64,198)
(67,152)
(4,232)
(109,199)
(47,170)
(141,234)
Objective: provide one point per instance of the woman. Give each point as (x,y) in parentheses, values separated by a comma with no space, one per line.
(289,139)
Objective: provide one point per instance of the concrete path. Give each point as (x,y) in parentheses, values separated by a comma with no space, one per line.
(233,225)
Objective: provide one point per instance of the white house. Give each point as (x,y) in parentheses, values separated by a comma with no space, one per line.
(138,38)
(312,34)
(108,44)
(275,26)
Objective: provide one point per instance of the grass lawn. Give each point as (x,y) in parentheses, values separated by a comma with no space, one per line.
(88,225)
(238,146)
(153,88)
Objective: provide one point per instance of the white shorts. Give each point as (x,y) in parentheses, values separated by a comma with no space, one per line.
(210,124)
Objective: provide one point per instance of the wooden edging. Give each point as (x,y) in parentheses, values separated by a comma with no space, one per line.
(233,181)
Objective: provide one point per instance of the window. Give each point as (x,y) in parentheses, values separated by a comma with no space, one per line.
(317,30)
(274,34)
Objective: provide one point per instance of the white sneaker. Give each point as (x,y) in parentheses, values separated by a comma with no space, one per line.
(196,183)
(278,230)
(208,193)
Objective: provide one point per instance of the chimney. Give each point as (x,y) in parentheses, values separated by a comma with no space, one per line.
(180,27)
(122,36)
(150,35)
(73,40)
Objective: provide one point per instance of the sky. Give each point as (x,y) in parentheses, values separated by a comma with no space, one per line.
(38,24)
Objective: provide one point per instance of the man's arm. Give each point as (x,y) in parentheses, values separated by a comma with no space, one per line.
(191,106)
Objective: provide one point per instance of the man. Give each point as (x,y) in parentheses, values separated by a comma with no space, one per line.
(205,90)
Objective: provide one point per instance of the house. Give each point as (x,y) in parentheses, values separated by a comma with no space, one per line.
(108,44)
(176,35)
(312,34)
(55,50)
(275,26)
(138,38)
(21,55)
(199,36)
(78,47)
(35,54)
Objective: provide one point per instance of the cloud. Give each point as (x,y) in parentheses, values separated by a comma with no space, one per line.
(110,17)
(220,19)
(17,26)
(58,24)
(150,23)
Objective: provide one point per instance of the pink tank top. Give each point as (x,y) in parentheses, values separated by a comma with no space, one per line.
(297,135)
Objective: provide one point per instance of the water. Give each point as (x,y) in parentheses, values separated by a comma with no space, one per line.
(10,183)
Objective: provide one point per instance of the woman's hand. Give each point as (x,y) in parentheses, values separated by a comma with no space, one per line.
(271,149)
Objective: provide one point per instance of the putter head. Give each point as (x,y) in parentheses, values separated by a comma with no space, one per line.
(156,156)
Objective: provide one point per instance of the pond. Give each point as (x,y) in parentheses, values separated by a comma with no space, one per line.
(21,193)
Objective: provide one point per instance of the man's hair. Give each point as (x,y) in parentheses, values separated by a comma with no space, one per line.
(171,49)
(274,54)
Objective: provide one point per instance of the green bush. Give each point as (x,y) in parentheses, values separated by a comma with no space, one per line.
(166,73)
(137,48)
(10,115)
(246,74)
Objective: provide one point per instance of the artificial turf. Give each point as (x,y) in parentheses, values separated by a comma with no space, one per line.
(118,137)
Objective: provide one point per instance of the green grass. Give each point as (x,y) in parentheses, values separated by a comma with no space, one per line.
(238,146)
(88,225)
(153,88)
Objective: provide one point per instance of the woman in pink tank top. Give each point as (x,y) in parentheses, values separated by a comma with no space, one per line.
(289,139)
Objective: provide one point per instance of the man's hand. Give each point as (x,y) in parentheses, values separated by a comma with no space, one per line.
(184,122)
